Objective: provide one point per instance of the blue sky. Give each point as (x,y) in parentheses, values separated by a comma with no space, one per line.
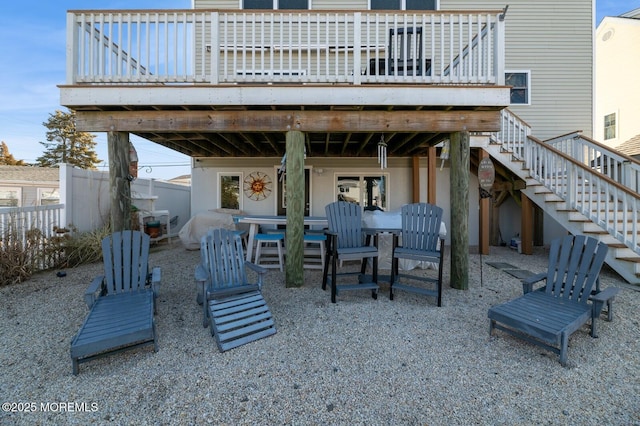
(32,48)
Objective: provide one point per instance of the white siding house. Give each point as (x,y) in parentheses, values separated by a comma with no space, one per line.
(617,64)
(26,186)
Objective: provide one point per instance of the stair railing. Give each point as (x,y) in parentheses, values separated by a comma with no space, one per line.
(620,167)
(608,203)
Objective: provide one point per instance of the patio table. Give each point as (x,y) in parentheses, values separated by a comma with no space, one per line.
(256,221)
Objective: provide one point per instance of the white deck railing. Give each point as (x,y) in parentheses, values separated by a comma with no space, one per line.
(513,133)
(242,46)
(623,169)
(33,229)
(606,202)
(591,178)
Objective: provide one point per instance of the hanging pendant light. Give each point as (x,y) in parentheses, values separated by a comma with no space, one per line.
(382,153)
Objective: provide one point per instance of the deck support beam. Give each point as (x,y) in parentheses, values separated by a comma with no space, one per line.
(294,273)
(460,155)
(415,176)
(526,231)
(120,193)
(431,176)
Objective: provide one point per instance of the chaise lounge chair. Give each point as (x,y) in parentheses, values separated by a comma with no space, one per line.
(121,302)
(547,317)
(233,308)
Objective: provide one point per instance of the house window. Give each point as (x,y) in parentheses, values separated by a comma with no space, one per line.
(521,88)
(610,126)
(48,196)
(275,4)
(403,5)
(229,190)
(293,4)
(10,197)
(420,5)
(385,4)
(370,192)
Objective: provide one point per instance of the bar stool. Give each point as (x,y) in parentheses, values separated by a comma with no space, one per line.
(314,261)
(267,241)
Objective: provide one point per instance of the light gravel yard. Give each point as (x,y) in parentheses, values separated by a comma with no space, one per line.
(360,361)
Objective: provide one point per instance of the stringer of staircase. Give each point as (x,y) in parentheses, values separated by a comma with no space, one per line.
(586,187)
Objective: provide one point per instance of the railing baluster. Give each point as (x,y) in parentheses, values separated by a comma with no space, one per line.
(176,47)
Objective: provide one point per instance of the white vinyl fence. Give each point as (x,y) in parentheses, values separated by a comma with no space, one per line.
(84,207)
(30,231)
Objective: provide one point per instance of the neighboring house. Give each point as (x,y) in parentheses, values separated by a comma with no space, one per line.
(337,86)
(26,186)
(617,86)
(631,147)
(181,180)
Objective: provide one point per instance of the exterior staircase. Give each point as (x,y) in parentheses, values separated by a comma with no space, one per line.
(587,187)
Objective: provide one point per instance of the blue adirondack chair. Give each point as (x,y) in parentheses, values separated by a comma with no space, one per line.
(234,308)
(121,302)
(420,241)
(346,241)
(549,316)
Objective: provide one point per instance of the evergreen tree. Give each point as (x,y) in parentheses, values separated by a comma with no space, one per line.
(66,145)
(6,158)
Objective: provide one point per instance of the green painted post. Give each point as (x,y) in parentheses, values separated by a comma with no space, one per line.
(118,147)
(459,160)
(294,266)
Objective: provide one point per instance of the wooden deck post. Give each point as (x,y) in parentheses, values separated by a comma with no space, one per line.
(415,176)
(120,195)
(460,162)
(526,232)
(294,273)
(431,175)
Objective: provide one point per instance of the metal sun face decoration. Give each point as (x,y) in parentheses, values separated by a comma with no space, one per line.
(257,186)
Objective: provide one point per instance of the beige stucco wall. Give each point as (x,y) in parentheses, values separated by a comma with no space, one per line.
(617,68)
(323,185)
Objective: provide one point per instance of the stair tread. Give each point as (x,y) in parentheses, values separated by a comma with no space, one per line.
(630,259)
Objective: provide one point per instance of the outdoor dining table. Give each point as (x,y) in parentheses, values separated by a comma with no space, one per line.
(256,221)
(371,227)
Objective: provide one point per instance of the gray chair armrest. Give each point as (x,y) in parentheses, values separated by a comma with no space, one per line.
(527,283)
(156,276)
(601,298)
(606,294)
(201,273)
(94,290)
(259,270)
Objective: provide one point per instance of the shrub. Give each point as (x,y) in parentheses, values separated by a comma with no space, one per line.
(18,256)
(84,247)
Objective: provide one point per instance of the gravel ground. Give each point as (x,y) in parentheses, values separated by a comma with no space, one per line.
(360,361)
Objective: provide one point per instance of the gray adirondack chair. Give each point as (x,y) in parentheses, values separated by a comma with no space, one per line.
(549,316)
(121,302)
(234,308)
(345,242)
(420,241)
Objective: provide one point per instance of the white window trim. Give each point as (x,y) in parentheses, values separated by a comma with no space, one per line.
(360,178)
(403,4)
(42,191)
(615,126)
(275,4)
(240,175)
(18,193)
(528,73)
